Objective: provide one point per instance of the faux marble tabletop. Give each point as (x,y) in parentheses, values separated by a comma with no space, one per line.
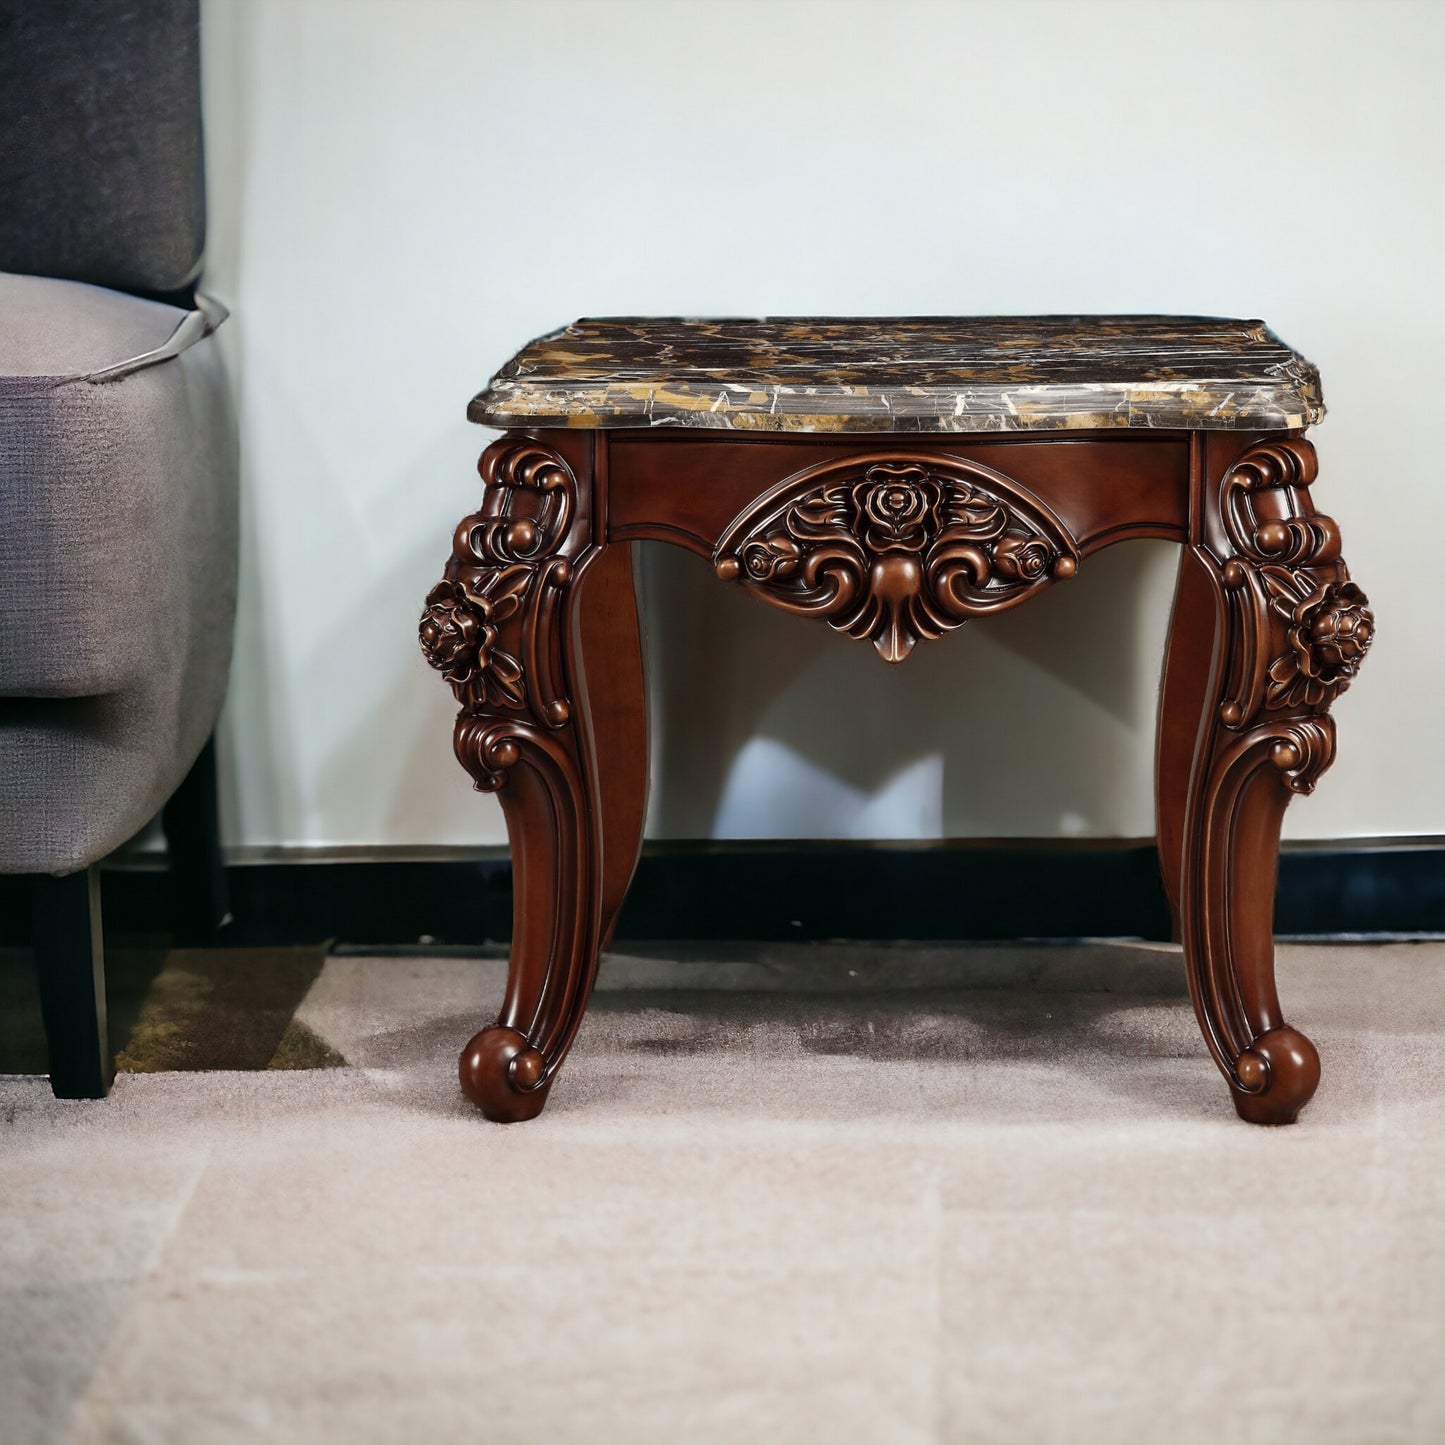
(913,374)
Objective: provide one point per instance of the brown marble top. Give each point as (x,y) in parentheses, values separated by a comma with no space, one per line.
(912,374)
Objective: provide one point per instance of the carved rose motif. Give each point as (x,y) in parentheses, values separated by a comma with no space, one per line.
(898,508)
(450,630)
(773,556)
(1331,627)
(1340,629)
(1026,558)
(458,634)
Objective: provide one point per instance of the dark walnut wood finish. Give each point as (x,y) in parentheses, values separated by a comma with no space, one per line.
(894,540)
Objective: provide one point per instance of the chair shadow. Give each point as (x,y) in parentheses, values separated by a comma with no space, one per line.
(129,976)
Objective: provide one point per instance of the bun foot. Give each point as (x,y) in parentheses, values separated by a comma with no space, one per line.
(1276,1077)
(504,1076)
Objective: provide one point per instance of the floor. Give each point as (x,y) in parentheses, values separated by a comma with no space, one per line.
(837,1194)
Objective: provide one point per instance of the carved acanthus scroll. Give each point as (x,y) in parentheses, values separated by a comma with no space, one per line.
(895,548)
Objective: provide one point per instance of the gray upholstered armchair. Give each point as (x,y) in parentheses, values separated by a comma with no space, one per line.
(118,469)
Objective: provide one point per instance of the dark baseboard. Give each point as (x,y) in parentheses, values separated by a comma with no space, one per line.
(987,889)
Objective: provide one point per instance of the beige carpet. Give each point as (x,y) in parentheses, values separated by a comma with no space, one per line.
(836,1195)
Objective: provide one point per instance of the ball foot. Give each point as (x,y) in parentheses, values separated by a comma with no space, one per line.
(1278,1075)
(503,1075)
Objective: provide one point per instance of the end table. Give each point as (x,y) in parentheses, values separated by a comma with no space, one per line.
(895,479)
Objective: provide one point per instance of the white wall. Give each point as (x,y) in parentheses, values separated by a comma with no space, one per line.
(404,191)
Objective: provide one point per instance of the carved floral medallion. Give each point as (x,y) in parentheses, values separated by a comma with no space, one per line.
(895,549)
(458,634)
(1329,629)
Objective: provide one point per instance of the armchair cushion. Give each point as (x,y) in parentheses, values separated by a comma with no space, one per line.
(118,494)
(115,480)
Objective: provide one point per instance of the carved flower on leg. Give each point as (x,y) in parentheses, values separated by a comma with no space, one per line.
(458,634)
(451,630)
(1026,558)
(1340,630)
(771,557)
(897,507)
(1331,627)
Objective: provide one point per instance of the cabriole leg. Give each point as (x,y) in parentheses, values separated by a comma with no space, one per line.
(508,628)
(1267,631)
